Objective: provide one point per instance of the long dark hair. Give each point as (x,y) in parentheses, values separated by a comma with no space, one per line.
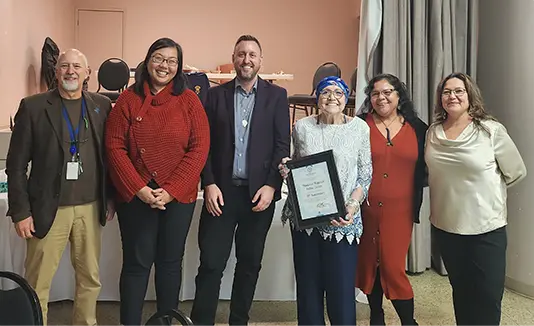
(180,82)
(405,107)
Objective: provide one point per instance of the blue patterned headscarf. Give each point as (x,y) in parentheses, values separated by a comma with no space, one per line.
(332,80)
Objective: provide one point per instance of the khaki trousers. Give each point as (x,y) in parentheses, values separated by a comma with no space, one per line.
(78,225)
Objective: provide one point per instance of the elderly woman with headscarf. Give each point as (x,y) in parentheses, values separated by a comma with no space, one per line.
(325,257)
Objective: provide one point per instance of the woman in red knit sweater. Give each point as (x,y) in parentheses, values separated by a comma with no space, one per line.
(157,140)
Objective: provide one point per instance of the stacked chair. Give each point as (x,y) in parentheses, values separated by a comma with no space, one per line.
(19,304)
(305,102)
(113,76)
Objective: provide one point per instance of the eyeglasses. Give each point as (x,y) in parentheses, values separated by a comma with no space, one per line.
(458,92)
(326,93)
(158,59)
(385,92)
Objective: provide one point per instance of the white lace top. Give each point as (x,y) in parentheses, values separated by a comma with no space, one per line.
(352,152)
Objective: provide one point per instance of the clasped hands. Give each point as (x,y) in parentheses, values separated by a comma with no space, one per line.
(213,199)
(156,198)
(340,221)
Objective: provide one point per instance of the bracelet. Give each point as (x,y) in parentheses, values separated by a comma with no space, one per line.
(353,203)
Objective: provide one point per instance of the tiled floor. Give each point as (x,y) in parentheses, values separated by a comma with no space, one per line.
(433,306)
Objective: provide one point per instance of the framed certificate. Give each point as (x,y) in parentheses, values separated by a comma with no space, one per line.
(315,190)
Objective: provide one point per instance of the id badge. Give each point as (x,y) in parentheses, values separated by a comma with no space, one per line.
(73,169)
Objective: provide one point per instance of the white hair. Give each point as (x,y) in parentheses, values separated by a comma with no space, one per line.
(78,52)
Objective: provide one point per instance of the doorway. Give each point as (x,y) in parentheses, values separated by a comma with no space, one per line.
(99,35)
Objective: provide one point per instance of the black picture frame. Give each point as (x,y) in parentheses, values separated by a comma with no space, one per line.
(297,181)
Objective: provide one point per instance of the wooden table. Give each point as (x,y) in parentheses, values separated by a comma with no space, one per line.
(214,77)
(269,77)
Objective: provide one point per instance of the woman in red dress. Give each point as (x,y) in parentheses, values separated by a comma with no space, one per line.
(395,196)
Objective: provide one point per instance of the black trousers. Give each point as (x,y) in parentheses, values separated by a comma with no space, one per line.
(324,267)
(215,237)
(476,265)
(151,236)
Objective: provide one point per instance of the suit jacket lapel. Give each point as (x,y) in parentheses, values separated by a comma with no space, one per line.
(93,112)
(259,106)
(53,111)
(230,87)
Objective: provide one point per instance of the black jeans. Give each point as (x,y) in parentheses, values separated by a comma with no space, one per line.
(215,238)
(151,236)
(476,265)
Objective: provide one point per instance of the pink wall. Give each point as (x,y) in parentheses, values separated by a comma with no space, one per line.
(24,25)
(297,35)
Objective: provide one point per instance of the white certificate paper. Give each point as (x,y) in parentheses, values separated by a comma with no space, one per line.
(314,190)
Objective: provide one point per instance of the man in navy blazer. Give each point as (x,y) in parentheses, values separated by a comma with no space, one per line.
(250,134)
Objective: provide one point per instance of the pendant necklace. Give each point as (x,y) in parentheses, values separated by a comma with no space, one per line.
(388,133)
(246,117)
(247,113)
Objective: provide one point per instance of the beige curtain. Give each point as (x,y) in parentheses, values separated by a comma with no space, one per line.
(422,41)
(370,30)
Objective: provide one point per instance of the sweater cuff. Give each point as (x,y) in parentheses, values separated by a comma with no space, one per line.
(132,189)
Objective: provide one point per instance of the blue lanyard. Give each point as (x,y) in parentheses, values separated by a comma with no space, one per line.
(73,133)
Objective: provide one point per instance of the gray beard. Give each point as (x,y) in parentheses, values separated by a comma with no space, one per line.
(69,87)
